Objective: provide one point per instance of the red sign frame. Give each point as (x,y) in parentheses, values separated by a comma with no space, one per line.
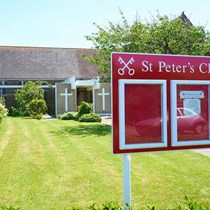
(136,78)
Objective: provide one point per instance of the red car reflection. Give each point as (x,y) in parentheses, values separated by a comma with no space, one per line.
(187,120)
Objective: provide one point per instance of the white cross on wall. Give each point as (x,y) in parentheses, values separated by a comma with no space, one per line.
(66,94)
(103,94)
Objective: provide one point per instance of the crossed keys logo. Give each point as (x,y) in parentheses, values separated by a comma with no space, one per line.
(121,71)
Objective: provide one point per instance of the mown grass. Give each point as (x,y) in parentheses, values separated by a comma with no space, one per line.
(54,164)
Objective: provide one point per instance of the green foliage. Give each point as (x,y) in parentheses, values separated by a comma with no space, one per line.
(9,208)
(84,108)
(2,101)
(189,204)
(105,206)
(84,114)
(68,116)
(24,96)
(91,117)
(36,108)
(3,110)
(13,111)
(161,35)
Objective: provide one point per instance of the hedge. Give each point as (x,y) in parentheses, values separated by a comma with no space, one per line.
(91,117)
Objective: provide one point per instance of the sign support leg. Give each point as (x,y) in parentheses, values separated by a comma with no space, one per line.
(127,179)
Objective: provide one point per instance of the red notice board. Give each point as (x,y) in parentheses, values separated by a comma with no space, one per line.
(160,102)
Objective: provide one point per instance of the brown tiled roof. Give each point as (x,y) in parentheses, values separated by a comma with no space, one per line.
(37,63)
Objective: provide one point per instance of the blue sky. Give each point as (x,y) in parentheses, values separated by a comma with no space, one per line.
(64,23)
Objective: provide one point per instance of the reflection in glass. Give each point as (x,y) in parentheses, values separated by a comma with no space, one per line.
(192,112)
(189,120)
(143,115)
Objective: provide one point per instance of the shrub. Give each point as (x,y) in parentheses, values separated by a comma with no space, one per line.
(38,116)
(36,108)
(13,111)
(84,108)
(3,112)
(68,116)
(91,117)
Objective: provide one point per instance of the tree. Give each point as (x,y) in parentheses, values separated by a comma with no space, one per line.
(160,36)
(25,96)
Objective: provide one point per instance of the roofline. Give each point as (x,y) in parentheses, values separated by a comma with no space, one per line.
(30,79)
(37,47)
(21,86)
(42,79)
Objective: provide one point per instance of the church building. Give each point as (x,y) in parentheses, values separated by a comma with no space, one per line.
(71,78)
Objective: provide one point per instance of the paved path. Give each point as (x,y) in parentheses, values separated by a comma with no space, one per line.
(203,151)
(106,120)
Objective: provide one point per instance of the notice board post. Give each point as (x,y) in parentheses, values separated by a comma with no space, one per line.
(127,179)
(159,103)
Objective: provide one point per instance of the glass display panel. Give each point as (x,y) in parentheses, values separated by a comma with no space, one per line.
(145,118)
(190,108)
(143,115)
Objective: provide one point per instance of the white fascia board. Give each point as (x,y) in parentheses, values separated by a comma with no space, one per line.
(85,83)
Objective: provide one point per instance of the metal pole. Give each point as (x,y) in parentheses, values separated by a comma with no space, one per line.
(127,179)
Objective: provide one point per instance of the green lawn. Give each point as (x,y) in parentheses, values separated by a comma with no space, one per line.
(54,164)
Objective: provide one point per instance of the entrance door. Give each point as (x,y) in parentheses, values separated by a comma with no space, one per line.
(49,97)
(84,94)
